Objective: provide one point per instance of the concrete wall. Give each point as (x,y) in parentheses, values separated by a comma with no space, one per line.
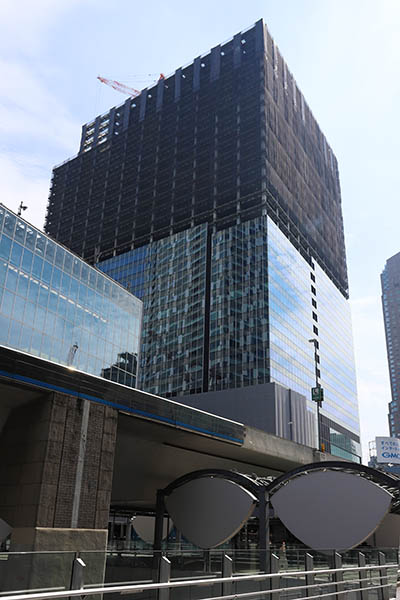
(55,467)
(57,457)
(269,407)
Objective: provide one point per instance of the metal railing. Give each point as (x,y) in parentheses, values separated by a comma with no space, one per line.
(359,582)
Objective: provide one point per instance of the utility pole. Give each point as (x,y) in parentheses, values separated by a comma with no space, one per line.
(317,392)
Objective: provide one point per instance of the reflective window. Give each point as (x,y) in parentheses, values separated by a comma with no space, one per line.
(260,317)
(54,305)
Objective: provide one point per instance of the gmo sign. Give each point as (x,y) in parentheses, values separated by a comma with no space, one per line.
(388,450)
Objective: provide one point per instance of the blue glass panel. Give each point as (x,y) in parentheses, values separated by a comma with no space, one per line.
(82,293)
(60,253)
(79,316)
(33,290)
(23,285)
(25,339)
(59,328)
(56,279)
(12,279)
(40,317)
(20,232)
(9,224)
(30,240)
(27,261)
(76,267)
(50,251)
(3,272)
(30,310)
(14,333)
(100,284)
(56,350)
(62,307)
(2,212)
(45,348)
(43,296)
(5,247)
(40,245)
(53,301)
(71,312)
(19,308)
(85,273)
(74,289)
(36,342)
(37,267)
(4,324)
(16,254)
(92,278)
(7,303)
(65,284)
(68,262)
(107,287)
(47,271)
(50,323)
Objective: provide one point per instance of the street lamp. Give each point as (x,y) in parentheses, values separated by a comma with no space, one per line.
(317,392)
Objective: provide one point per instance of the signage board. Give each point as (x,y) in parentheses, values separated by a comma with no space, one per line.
(388,450)
(317,394)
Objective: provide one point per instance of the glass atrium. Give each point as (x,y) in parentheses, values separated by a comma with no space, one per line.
(55,306)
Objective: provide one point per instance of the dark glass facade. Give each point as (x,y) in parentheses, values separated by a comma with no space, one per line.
(227,137)
(390,282)
(215,198)
(56,306)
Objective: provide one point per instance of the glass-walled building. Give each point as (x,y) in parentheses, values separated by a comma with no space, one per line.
(215,197)
(244,314)
(56,306)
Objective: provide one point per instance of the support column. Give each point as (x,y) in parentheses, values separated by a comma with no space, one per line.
(55,483)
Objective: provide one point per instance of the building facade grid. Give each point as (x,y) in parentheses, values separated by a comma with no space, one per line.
(54,305)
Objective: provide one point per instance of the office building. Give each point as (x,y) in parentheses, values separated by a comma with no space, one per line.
(390,282)
(215,197)
(55,306)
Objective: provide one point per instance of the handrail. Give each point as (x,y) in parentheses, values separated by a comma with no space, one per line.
(122,589)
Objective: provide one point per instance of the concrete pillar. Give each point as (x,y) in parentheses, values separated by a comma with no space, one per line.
(55,483)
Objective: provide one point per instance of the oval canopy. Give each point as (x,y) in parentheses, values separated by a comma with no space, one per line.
(331,509)
(144,526)
(208,511)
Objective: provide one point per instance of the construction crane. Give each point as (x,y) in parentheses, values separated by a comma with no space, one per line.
(121,87)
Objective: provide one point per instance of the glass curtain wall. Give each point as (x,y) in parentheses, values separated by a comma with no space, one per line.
(55,306)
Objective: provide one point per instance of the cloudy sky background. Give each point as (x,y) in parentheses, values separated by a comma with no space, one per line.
(344,54)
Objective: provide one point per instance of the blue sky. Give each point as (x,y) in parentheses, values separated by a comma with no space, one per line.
(344,54)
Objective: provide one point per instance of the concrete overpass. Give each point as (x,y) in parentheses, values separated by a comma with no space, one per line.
(72,445)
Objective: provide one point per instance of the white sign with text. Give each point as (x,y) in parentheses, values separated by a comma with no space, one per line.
(388,450)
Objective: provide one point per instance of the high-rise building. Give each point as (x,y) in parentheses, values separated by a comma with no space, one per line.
(390,282)
(215,197)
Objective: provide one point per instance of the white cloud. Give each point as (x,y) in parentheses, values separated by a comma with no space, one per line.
(24,180)
(37,128)
(23,24)
(29,109)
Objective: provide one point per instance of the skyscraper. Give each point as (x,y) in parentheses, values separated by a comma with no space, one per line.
(215,198)
(390,282)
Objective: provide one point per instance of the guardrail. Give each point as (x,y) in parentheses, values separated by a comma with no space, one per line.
(363,582)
